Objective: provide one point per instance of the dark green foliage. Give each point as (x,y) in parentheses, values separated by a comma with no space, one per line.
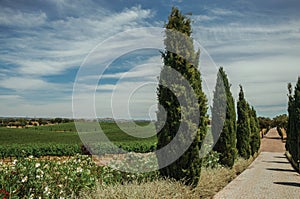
(279,132)
(293,127)
(179,55)
(224,121)
(243,127)
(265,123)
(280,121)
(37,150)
(255,129)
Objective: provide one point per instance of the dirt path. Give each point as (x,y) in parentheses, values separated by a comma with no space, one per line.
(269,176)
(272,142)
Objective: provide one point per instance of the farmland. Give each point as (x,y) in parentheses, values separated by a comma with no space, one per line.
(66,133)
(63,139)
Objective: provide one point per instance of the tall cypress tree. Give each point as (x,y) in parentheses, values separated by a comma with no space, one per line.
(290,126)
(293,131)
(224,120)
(255,136)
(243,126)
(180,55)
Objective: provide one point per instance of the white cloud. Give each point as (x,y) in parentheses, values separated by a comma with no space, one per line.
(260,55)
(39,45)
(149,70)
(222,12)
(63,43)
(9,97)
(10,17)
(202,18)
(21,83)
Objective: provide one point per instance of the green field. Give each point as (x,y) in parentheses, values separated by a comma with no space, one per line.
(67,134)
(63,139)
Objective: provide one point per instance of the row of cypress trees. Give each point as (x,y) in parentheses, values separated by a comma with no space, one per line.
(233,137)
(182,114)
(293,127)
(248,137)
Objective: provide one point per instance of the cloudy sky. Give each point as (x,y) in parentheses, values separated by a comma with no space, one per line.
(109,51)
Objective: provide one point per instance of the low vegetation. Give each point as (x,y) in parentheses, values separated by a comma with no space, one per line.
(212,180)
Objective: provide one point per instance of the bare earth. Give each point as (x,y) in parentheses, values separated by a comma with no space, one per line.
(269,176)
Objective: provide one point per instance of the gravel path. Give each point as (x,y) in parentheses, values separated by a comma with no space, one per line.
(270,176)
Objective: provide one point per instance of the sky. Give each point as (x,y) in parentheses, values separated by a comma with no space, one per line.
(104,56)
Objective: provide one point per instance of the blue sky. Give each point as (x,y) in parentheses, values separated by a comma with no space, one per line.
(44,43)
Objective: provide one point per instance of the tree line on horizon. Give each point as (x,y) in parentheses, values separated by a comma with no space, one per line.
(232,136)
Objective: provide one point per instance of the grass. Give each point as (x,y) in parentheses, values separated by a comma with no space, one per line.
(212,180)
(67,134)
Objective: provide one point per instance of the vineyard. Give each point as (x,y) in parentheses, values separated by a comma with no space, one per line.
(63,140)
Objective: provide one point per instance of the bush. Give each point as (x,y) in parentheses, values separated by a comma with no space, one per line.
(32,178)
(280,132)
(64,178)
(38,150)
(211,160)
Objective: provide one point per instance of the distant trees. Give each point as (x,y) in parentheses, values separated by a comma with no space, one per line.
(180,56)
(243,126)
(280,121)
(224,120)
(293,126)
(265,123)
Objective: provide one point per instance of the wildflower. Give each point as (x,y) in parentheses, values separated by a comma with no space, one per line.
(25,179)
(47,190)
(79,170)
(15,162)
(37,165)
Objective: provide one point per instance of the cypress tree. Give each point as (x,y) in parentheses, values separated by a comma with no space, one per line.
(297,122)
(224,120)
(290,126)
(255,129)
(180,55)
(243,126)
(293,131)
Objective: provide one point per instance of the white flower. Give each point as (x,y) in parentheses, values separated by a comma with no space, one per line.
(25,179)
(88,172)
(79,170)
(47,190)
(37,165)
(15,162)
(30,157)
